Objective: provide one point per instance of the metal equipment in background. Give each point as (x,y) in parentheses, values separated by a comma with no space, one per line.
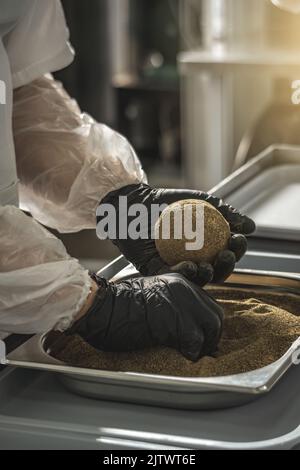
(88,78)
(144,46)
(237,85)
(125,75)
(268,190)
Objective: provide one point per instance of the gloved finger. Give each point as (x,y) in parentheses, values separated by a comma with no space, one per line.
(207,322)
(200,343)
(238,245)
(187,268)
(201,274)
(224,266)
(191,345)
(238,222)
(213,324)
(155,266)
(205,274)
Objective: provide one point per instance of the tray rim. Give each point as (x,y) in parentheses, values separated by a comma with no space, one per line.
(255,382)
(270,157)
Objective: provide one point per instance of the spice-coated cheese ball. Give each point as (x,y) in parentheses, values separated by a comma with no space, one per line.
(174,248)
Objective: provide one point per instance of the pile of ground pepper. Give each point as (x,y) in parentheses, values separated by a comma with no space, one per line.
(258,329)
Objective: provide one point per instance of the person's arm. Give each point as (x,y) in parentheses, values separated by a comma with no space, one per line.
(66,161)
(41,286)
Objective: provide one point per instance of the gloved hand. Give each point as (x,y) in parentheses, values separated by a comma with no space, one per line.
(142,253)
(141,313)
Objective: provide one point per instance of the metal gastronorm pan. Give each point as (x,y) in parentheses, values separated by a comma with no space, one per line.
(268,190)
(174,392)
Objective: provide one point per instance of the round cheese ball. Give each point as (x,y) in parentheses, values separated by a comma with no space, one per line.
(216,232)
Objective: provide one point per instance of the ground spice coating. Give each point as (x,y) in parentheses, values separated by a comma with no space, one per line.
(258,329)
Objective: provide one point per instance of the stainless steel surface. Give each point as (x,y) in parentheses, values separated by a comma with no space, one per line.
(268,190)
(227,85)
(37,412)
(189,393)
(270,261)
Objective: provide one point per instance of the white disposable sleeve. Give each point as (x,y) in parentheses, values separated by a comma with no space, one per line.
(34,40)
(39,41)
(41,286)
(66,161)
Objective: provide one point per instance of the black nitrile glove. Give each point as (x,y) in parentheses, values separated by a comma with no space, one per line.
(141,313)
(142,253)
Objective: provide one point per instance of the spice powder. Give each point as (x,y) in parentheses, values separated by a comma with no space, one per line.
(258,329)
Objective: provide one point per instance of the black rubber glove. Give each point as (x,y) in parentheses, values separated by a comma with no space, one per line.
(141,313)
(142,253)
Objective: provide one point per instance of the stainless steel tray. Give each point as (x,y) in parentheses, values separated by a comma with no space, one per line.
(268,190)
(174,392)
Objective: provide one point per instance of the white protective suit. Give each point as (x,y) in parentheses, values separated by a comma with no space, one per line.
(66,163)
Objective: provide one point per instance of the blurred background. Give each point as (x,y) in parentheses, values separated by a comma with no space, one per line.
(199,87)
(125,74)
